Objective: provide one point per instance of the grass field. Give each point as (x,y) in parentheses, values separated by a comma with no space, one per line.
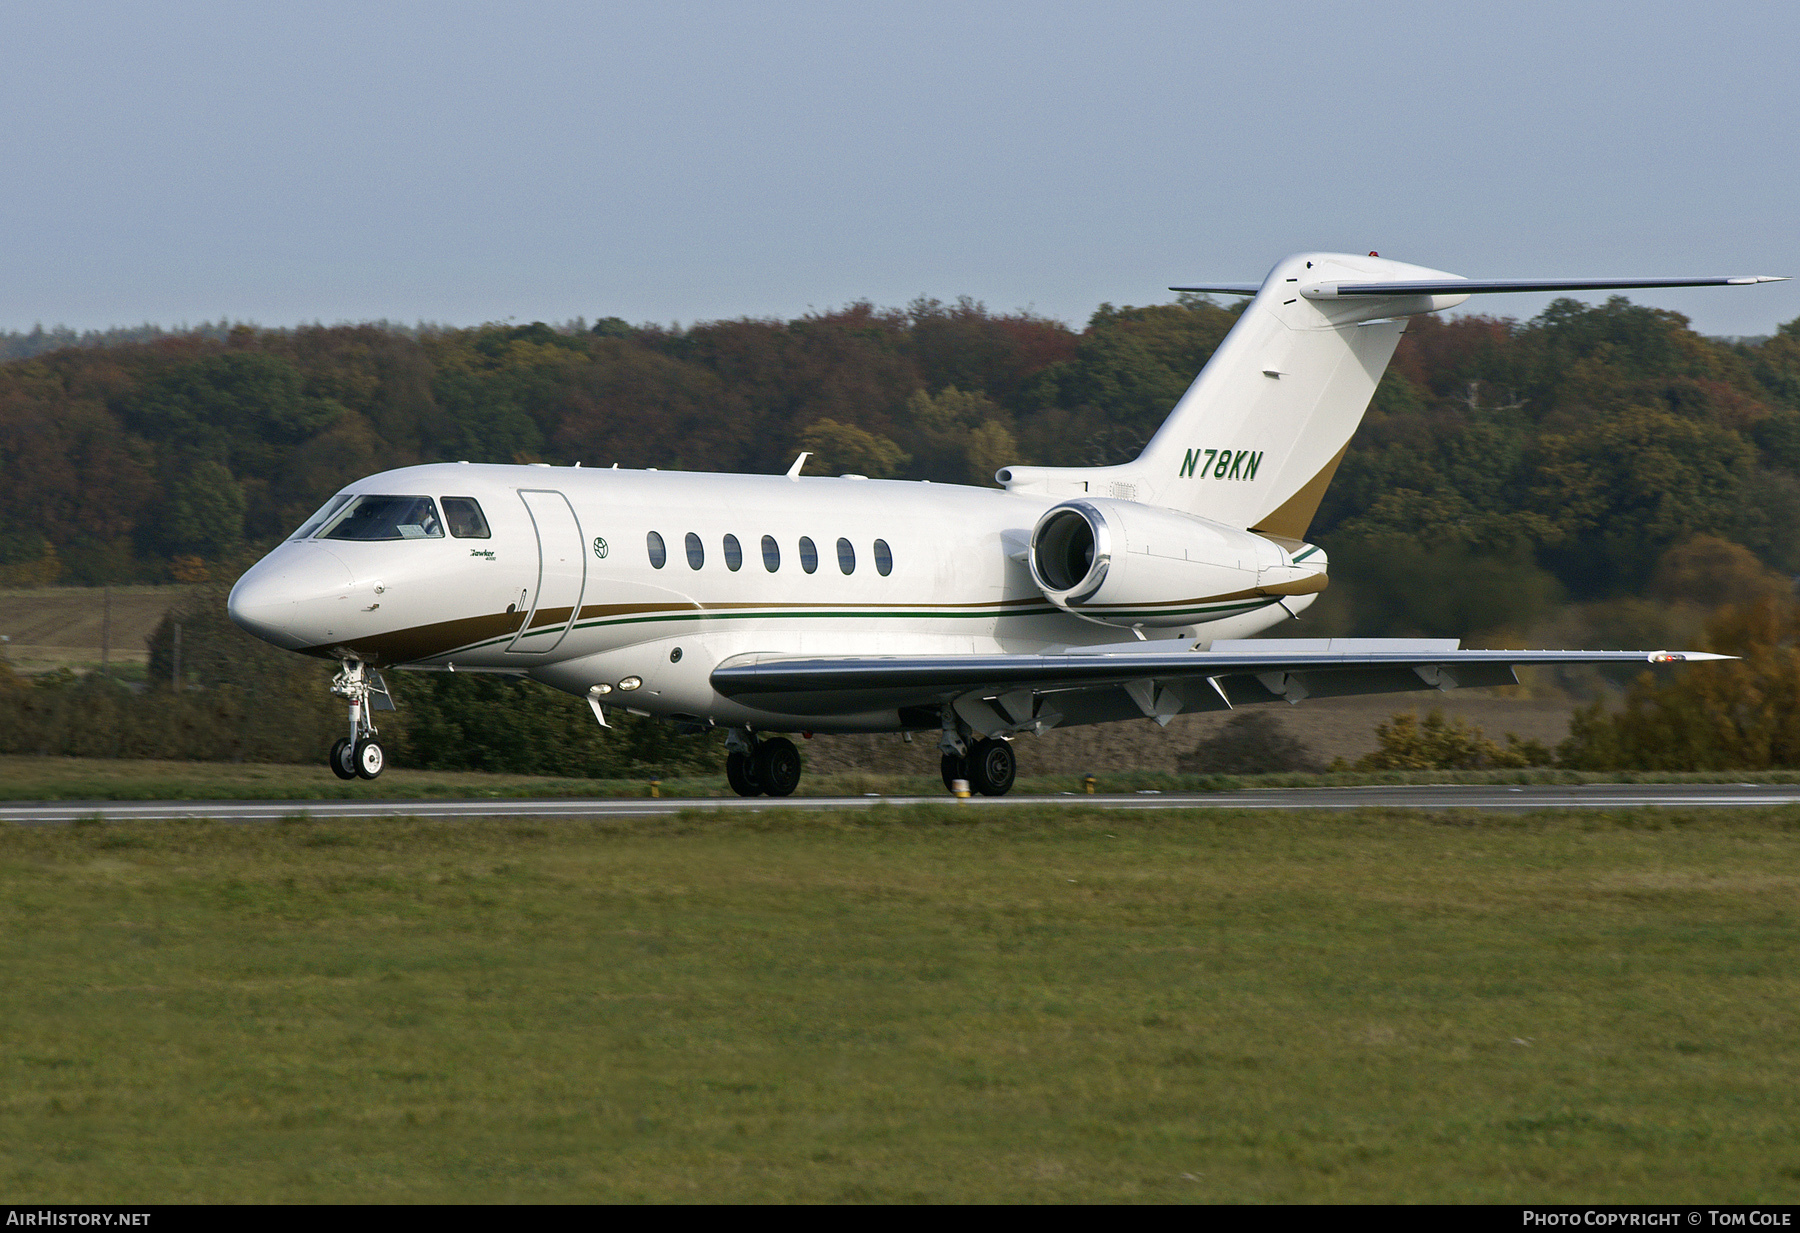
(25,778)
(64,627)
(906,1004)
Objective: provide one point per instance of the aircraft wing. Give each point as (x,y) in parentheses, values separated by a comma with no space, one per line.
(1154,679)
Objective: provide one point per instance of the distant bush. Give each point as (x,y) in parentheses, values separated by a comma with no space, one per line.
(1405,744)
(1251,743)
(1741,715)
(242,700)
(481,722)
(94,716)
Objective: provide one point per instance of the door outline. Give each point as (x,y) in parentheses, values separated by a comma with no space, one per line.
(537,595)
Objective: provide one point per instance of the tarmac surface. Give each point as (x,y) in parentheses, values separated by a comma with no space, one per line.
(1494,797)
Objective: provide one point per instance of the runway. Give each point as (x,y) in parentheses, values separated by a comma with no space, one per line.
(1515,799)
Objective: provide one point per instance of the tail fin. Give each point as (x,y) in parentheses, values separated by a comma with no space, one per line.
(1259,434)
(1256,439)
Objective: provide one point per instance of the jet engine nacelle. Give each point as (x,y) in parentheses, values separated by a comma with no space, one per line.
(1121,563)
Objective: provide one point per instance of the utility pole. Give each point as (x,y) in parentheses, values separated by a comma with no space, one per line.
(106,631)
(175,670)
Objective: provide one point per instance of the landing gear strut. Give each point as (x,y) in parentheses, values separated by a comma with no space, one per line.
(988,765)
(755,768)
(357,755)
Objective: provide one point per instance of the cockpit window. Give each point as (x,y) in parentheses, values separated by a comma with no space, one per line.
(318,520)
(373,517)
(463,514)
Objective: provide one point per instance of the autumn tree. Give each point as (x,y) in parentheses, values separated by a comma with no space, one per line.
(1737,715)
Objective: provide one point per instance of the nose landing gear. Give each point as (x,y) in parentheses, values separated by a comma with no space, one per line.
(359,756)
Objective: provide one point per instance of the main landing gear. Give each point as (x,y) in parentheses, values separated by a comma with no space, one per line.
(357,756)
(990,767)
(757,768)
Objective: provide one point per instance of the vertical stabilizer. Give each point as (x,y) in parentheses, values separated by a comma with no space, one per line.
(1256,438)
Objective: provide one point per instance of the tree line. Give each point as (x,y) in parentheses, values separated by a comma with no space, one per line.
(1597,475)
(1521,464)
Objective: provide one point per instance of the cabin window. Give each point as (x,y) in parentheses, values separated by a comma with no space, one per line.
(381,517)
(696,551)
(809,555)
(734,554)
(771,553)
(318,520)
(659,555)
(884,560)
(464,518)
(846,556)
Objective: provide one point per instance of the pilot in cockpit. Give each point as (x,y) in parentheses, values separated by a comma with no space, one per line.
(385,517)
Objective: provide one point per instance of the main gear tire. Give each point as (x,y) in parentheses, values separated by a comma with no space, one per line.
(992,767)
(339,759)
(953,767)
(368,759)
(778,766)
(740,773)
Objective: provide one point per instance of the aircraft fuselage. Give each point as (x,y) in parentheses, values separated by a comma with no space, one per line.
(564,587)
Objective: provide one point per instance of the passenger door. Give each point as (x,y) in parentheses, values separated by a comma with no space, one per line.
(562,573)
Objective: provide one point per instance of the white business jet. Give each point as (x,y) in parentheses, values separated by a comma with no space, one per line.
(764,604)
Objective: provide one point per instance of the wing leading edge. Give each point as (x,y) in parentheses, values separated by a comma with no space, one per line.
(1096,684)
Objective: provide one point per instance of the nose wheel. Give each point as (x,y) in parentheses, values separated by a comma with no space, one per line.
(357,756)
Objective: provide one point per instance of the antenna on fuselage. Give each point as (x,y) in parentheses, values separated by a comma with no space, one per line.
(793,472)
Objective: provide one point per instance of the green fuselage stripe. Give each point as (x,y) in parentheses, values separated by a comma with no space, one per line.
(768,614)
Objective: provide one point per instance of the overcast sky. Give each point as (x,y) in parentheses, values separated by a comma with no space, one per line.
(679,161)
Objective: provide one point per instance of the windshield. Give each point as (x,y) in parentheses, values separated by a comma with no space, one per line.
(318,520)
(376,517)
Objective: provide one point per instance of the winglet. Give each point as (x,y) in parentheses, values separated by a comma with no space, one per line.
(793,472)
(1676,657)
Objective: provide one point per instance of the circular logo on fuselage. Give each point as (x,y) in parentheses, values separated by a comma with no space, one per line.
(600,548)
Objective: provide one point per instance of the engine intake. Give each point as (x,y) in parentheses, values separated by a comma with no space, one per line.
(1070,552)
(1125,564)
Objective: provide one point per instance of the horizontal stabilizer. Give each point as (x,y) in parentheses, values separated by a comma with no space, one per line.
(1471,286)
(1484,286)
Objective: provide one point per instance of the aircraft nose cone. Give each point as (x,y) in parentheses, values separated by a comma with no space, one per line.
(266,599)
(259,606)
